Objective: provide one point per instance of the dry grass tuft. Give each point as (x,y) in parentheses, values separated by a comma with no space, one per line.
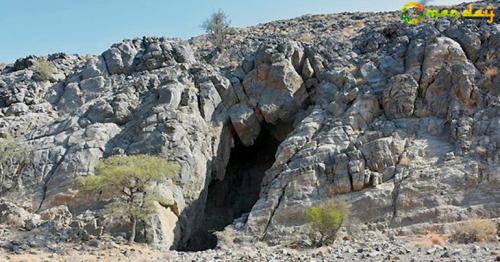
(353,69)
(490,73)
(430,240)
(490,57)
(405,161)
(476,230)
(225,238)
(360,24)
(43,69)
(359,81)
(307,38)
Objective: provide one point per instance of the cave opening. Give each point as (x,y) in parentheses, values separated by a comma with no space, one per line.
(235,195)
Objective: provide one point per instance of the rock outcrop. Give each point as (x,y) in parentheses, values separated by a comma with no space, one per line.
(400,121)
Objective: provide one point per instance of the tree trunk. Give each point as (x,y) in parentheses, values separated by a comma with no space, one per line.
(132,234)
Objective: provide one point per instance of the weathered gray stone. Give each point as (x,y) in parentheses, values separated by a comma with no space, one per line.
(12,215)
(245,123)
(307,70)
(399,96)
(370,73)
(361,112)
(17,109)
(274,87)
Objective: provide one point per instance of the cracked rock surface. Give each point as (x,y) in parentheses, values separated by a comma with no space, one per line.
(402,122)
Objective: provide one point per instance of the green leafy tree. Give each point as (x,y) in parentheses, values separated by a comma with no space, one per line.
(217,28)
(326,219)
(14,157)
(125,181)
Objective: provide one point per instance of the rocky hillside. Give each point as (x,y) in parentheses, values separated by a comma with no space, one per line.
(401,121)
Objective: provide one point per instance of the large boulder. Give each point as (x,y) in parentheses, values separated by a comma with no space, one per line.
(13,215)
(274,87)
(399,96)
(245,123)
(383,153)
(59,214)
(146,54)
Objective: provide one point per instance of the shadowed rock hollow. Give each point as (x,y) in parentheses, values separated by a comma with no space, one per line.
(236,194)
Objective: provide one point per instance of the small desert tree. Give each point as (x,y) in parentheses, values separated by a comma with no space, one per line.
(217,28)
(14,157)
(326,219)
(125,181)
(425,2)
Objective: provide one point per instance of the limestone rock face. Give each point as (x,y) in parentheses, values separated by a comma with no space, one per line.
(400,96)
(146,54)
(402,122)
(245,123)
(145,104)
(274,86)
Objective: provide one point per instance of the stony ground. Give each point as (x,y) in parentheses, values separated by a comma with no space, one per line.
(373,246)
(402,122)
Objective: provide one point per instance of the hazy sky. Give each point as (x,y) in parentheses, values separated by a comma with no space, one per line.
(41,27)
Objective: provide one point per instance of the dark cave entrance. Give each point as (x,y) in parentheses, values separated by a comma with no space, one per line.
(234,196)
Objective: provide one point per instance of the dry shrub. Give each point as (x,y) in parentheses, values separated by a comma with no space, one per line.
(476,230)
(218,28)
(347,238)
(353,69)
(430,240)
(405,161)
(348,32)
(307,38)
(63,199)
(43,69)
(360,23)
(490,57)
(233,65)
(225,239)
(490,73)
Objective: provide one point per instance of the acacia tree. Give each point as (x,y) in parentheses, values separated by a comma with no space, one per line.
(13,159)
(217,28)
(125,182)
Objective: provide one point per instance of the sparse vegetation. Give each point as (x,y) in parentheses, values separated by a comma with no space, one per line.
(326,219)
(431,239)
(405,161)
(126,183)
(217,27)
(490,73)
(476,230)
(43,69)
(13,159)
(489,57)
(425,2)
(353,69)
(307,38)
(225,238)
